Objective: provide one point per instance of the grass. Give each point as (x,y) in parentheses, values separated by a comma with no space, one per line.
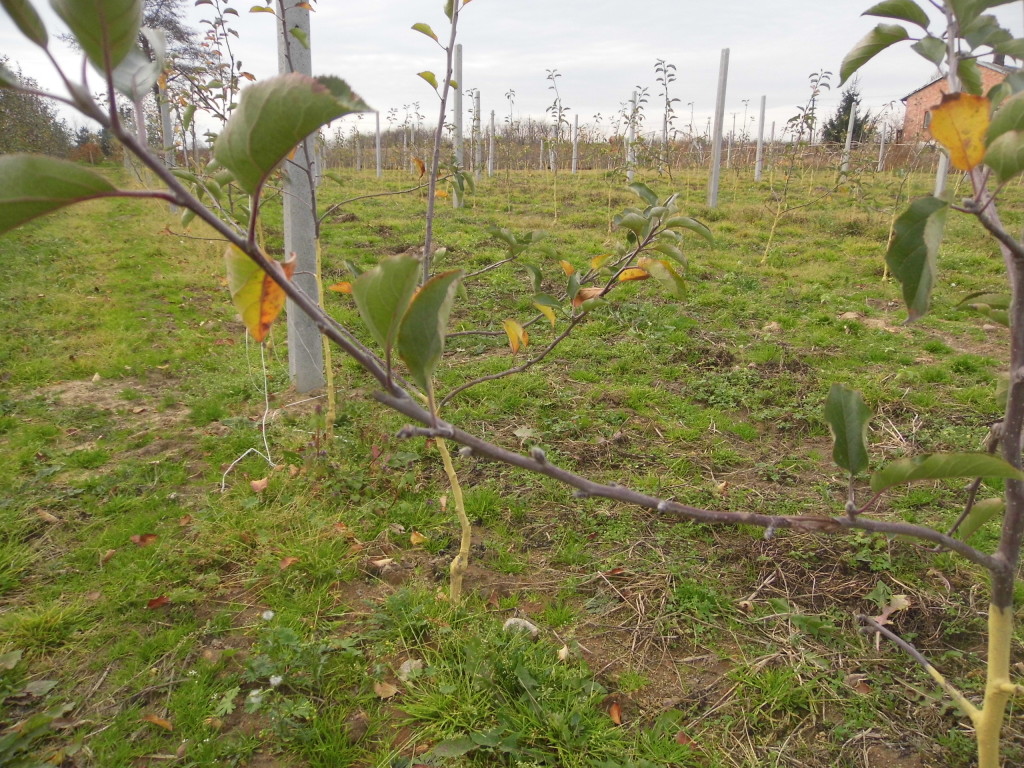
(262,626)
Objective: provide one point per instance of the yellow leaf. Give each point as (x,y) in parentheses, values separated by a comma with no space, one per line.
(599,261)
(633,273)
(568,268)
(158,721)
(591,292)
(420,165)
(384,690)
(258,299)
(440,193)
(417,539)
(343,287)
(548,312)
(959,124)
(516,334)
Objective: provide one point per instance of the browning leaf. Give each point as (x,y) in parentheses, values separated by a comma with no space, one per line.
(158,721)
(615,712)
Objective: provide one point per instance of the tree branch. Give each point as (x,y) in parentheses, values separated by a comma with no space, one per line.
(952,691)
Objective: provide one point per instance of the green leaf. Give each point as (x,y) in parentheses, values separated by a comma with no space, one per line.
(1009,117)
(383,295)
(980,513)
(272,117)
(632,221)
(454,747)
(665,274)
(685,222)
(104,28)
(1005,155)
(535,276)
(645,192)
(994,306)
(572,286)
(1000,300)
(931,48)
(430,77)
(672,251)
(449,8)
(426,30)
(300,34)
(968,10)
(136,75)
(27,20)
(504,235)
(984,30)
(340,90)
(34,185)
(1013,47)
(546,300)
(421,335)
(186,116)
(970,76)
(912,254)
(9,660)
(873,43)
(1014,83)
(942,466)
(847,418)
(905,10)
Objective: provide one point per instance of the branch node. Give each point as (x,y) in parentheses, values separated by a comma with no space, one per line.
(769,532)
(465,451)
(538,455)
(580,494)
(663,506)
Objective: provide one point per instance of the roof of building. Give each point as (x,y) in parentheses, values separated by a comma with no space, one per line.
(1000,68)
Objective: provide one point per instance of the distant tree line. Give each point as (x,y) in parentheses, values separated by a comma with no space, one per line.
(29,123)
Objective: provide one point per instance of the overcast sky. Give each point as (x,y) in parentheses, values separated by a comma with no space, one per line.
(603,49)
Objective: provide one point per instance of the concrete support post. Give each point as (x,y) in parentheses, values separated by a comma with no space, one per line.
(716,145)
(575,143)
(759,157)
(305,347)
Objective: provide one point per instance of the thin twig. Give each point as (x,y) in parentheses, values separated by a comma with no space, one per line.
(951,690)
(519,368)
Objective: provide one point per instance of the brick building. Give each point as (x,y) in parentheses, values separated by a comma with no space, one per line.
(918,103)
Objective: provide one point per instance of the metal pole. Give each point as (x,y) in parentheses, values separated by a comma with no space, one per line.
(759,158)
(305,347)
(716,147)
(377,148)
